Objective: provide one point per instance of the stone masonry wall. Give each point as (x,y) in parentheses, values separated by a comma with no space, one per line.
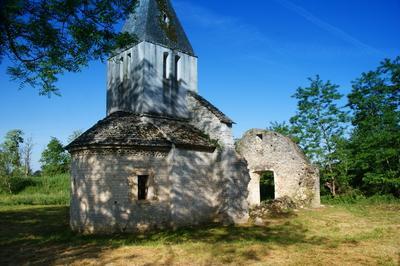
(207,122)
(294,176)
(185,188)
(231,170)
(104,198)
(136,81)
(195,188)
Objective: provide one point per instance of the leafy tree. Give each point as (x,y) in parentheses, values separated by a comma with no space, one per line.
(5,172)
(319,124)
(284,129)
(11,149)
(375,142)
(10,159)
(55,160)
(45,38)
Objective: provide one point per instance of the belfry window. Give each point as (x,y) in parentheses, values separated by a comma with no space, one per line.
(129,65)
(121,68)
(142,187)
(166,66)
(166,18)
(177,67)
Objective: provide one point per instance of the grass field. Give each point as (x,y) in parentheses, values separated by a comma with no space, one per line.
(353,234)
(40,190)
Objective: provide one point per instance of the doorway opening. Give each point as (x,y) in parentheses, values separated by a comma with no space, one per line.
(267,186)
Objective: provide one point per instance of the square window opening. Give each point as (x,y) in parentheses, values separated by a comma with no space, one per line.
(143,187)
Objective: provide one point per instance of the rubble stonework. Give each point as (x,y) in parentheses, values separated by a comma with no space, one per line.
(294,175)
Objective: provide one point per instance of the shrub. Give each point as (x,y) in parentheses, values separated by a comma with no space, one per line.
(356,197)
(45,190)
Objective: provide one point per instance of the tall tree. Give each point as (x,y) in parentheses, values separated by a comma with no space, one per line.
(10,159)
(26,153)
(319,124)
(55,160)
(11,147)
(45,38)
(375,142)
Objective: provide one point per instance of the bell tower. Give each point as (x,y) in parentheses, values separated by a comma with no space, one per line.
(154,75)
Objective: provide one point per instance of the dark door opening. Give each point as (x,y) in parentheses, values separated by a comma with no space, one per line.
(142,187)
(267,186)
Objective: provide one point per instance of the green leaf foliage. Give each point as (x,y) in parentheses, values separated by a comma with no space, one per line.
(318,126)
(55,160)
(10,159)
(375,141)
(46,38)
(319,122)
(283,128)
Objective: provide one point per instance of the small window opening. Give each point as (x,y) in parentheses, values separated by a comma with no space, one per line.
(121,68)
(129,65)
(177,67)
(165,66)
(165,18)
(267,186)
(260,136)
(142,187)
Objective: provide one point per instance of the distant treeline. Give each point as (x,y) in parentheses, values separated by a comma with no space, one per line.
(16,157)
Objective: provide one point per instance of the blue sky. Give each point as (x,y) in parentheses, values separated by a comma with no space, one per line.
(252,57)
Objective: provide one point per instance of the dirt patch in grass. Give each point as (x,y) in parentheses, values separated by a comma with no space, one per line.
(336,235)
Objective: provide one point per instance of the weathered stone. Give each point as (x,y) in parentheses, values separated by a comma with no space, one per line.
(164,156)
(274,208)
(294,175)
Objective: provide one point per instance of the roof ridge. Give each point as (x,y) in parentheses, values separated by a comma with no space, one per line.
(212,108)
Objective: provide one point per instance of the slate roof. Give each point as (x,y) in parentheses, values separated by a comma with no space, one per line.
(128,130)
(220,115)
(147,24)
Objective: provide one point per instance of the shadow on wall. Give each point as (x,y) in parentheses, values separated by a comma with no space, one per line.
(142,91)
(190,188)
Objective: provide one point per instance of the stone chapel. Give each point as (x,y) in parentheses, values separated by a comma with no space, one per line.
(165,157)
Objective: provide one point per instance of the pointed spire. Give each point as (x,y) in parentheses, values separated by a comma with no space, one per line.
(155,21)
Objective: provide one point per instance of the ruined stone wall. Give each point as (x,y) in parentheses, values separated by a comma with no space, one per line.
(294,176)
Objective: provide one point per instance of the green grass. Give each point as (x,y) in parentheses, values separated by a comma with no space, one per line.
(43,190)
(360,199)
(350,230)
(337,235)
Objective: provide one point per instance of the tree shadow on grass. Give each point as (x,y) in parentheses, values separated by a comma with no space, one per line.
(41,235)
